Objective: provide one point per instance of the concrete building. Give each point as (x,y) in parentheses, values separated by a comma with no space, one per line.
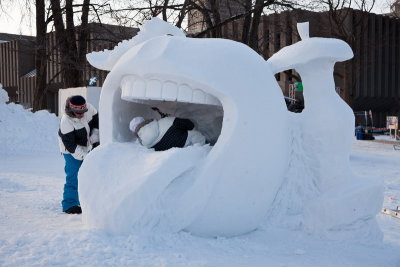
(369,81)
(17,60)
(101,36)
(225,9)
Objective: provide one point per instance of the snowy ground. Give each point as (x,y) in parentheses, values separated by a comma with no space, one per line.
(34,231)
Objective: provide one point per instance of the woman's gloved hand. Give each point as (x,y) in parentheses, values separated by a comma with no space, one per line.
(94,137)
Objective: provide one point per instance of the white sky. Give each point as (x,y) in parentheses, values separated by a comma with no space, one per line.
(13,20)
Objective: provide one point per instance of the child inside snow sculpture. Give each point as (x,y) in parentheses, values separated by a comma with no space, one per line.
(166,133)
(78,134)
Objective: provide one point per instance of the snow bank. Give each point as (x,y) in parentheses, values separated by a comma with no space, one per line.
(23,131)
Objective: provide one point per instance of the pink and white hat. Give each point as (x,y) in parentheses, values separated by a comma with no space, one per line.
(135,123)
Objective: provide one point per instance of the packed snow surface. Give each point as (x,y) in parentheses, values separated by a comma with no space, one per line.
(34,231)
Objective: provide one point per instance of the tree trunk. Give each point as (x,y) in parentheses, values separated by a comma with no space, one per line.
(253,38)
(72,56)
(40,94)
(61,38)
(71,72)
(216,18)
(83,41)
(246,22)
(182,13)
(164,11)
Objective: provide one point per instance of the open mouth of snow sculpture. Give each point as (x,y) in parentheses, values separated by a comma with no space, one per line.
(180,99)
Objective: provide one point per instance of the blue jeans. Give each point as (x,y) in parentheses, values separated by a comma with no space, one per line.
(70,196)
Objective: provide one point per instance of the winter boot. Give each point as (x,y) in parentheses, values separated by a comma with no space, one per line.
(74,210)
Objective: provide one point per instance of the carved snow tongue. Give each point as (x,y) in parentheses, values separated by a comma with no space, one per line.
(137,88)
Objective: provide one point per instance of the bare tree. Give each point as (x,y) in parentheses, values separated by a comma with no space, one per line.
(70,20)
(40,99)
(38,46)
(394,8)
(71,40)
(204,18)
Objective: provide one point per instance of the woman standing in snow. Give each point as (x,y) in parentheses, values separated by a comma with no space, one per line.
(78,134)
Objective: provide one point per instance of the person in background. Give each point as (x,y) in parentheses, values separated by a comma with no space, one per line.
(78,135)
(166,133)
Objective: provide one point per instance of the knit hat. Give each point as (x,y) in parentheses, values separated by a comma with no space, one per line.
(135,122)
(77,104)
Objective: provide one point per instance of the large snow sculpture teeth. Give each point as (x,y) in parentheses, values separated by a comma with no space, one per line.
(136,88)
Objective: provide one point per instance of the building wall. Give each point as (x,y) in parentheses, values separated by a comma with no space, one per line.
(227,9)
(369,81)
(374,82)
(101,36)
(26,90)
(9,68)
(17,62)
(16,59)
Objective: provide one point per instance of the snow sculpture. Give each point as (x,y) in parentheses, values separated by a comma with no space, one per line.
(230,93)
(336,200)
